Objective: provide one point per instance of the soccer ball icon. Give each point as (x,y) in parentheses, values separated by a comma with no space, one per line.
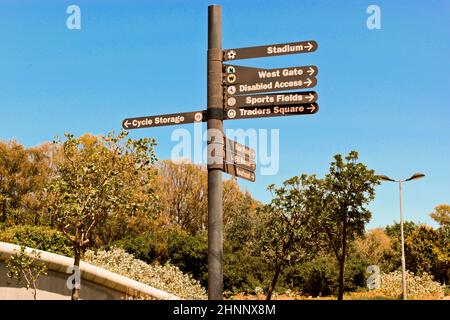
(231,54)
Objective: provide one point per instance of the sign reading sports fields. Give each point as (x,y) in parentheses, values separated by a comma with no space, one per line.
(271,99)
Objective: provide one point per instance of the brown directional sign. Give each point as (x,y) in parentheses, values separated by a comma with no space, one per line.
(163,120)
(270,50)
(238,74)
(239,172)
(271,99)
(271,111)
(238,148)
(270,85)
(241,159)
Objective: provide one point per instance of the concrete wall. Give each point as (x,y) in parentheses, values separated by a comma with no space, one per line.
(53,287)
(96,283)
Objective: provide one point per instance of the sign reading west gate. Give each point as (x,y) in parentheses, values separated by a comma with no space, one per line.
(239,74)
(271,111)
(163,120)
(271,99)
(270,50)
(269,85)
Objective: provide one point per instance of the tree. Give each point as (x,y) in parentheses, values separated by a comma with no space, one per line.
(23,175)
(96,179)
(376,247)
(183,192)
(27,267)
(288,235)
(346,190)
(441,215)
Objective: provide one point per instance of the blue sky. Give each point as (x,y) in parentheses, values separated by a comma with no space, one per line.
(384,93)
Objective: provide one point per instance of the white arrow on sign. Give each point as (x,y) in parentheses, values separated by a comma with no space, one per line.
(308,83)
(310,71)
(126,124)
(312,108)
(309,46)
(310,97)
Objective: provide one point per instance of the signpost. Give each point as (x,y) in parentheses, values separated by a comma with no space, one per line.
(230,96)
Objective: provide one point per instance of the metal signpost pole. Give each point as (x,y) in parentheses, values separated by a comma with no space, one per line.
(215,154)
(404,292)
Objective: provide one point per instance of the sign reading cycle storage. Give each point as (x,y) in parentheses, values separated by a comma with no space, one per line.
(268,85)
(163,120)
(239,74)
(271,111)
(271,99)
(270,50)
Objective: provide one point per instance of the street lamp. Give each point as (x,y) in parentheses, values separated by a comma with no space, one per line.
(415,176)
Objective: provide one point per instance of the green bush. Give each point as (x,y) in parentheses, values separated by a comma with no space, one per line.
(149,247)
(167,277)
(187,252)
(319,277)
(244,272)
(190,254)
(38,237)
(418,287)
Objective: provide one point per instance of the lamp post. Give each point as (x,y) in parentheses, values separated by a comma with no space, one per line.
(413,177)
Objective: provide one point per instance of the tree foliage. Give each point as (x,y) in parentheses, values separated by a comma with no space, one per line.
(98,178)
(347,189)
(441,214)
(26,267)
(38,237)
(288,235)
(23,175)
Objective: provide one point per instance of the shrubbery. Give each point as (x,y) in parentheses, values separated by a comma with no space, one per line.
(168,278)
(38,237)
(418,287)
